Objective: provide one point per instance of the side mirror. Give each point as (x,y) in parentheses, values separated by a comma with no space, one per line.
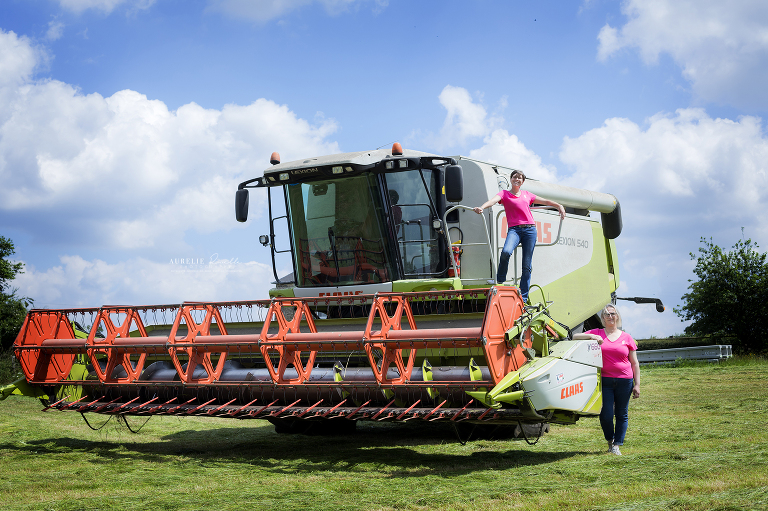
(454,183)
(241,205)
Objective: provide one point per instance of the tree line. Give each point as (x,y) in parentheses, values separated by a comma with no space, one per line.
(13,308)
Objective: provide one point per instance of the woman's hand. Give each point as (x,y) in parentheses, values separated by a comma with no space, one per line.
(636,391)
(478,210)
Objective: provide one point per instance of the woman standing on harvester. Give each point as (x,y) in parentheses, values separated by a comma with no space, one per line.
(522,229)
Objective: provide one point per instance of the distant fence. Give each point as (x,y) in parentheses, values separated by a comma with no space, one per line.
(712,353)
(684,342)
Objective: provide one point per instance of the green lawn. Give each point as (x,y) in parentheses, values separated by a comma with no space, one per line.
(697,440)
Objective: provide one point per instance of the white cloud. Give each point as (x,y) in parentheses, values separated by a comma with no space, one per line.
(264,10)
(464,119)
(722,47)
(55,30)
(688,158)
(105,6)
(104,160)
(505,149)
(77,282)
(679,177)
(18,59)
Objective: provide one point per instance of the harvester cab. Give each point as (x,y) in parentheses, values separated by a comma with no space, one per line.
(361,221)
(390,313)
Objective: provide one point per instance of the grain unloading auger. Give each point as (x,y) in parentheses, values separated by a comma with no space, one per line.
(389,315)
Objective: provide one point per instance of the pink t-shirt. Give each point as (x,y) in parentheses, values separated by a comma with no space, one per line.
(616,354)
(518,209)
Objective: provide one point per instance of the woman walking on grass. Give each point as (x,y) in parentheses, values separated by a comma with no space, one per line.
(620,375)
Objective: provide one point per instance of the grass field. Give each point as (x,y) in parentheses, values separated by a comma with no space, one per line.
(698,439)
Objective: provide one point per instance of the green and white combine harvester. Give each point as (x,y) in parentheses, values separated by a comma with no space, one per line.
(391,312)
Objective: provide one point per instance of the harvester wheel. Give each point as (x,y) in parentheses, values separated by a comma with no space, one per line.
(314,427)
(469,431)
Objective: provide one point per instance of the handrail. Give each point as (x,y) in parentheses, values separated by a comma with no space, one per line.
(487,236)
(514,261)
(559,227)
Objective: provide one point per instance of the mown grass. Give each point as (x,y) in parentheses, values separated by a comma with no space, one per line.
(697,441)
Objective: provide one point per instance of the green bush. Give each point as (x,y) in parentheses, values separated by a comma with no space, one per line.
(9,367)
(730,296)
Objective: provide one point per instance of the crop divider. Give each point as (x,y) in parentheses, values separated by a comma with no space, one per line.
(145,404)
(156,408)
(70,405)
(308,409)
(357,410)
(408,410)
(484,414)
(211,412)
(332,409)
(102,407)
(173,410)
(436,408)
(382,410)
(458,414)
(85,407)
(256,413)
(190,412)
(277,414)
(235,412)
(125,404)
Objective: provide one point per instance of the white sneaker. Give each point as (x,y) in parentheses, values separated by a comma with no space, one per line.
(615,450)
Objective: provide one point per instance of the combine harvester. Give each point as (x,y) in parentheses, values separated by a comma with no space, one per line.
(391,313)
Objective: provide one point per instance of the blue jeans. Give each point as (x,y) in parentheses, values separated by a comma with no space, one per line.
(524,235)
(616,394)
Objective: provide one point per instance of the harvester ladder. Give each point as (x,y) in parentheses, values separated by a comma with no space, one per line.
(492,278)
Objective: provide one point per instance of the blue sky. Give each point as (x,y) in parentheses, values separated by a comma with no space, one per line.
(125,125)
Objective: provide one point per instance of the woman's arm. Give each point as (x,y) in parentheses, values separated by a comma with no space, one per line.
(490,202)
(588,337)
(635,373)
(547,202)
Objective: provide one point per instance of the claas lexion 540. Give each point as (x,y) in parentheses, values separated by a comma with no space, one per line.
(391,312)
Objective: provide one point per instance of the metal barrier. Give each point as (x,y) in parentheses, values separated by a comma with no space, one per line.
(714,353)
